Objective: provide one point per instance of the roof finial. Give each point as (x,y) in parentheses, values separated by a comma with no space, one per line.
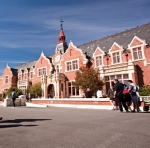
(61,23)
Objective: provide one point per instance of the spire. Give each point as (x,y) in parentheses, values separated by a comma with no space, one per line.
(61,38)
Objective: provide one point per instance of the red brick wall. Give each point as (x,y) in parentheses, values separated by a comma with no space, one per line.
(12,80)
(71,53)
(42,62)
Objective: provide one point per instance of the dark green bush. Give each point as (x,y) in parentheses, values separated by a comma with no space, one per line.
(144,90)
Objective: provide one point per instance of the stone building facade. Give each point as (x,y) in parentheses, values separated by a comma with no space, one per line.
(124,56)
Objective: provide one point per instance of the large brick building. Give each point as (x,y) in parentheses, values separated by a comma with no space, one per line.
(124,55)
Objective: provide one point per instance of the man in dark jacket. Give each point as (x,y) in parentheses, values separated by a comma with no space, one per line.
(88,93)
(13,97)
(118,94)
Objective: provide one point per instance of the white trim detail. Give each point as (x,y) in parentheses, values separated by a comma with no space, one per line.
(98,55)
(137,46)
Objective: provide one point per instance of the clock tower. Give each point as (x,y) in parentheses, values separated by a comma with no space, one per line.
(62,44)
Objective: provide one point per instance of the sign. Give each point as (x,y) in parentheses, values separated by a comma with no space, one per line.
(116,70)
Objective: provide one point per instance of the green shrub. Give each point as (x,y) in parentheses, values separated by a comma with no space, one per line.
(144,90)
(10,90)
(36,90)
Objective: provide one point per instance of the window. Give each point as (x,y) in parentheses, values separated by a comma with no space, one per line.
(98,61)
(72,65)
(25,76)
(137,53)
(121,77)
(116,57)
(75,64)
(6,79)
(72,90)
(31,75)
(69,66)
(57,68)
(42,71)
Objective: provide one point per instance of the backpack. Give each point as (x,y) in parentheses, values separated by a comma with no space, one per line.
(133,90)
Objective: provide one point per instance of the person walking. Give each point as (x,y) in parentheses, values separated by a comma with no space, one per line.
(134,98)
(13,97)
(127,97)
(111,97)
(99,93)
(118,94)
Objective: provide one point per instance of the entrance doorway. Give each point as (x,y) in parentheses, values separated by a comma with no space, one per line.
(51,92)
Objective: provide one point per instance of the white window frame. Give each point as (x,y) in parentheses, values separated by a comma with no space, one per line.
(142,49)
(96,62)
(142,45)
(117,51)
(71,65)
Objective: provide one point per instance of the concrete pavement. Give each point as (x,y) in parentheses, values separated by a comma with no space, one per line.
(24,127)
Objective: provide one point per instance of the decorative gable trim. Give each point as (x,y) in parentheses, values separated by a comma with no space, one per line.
(115,44)
(98,49)
(42,56)
(137,38)
(85,60)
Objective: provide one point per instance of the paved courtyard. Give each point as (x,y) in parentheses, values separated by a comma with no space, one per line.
(23,127)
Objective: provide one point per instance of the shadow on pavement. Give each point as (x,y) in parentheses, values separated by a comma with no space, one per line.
(15,125)
(22,120)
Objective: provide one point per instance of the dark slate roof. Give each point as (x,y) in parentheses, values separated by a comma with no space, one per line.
(123,39)
(14,71)
(26,65)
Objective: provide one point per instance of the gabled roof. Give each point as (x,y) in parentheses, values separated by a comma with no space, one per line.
(123,39)
(26,65)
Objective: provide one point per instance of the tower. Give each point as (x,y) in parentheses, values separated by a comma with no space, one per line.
(62,44)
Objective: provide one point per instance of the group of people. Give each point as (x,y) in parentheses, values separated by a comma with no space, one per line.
(88,94)
(123,96)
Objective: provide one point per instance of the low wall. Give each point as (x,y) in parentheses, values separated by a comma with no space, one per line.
(81,101)
(21,101)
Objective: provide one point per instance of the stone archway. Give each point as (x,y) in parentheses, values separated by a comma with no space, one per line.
(51,91)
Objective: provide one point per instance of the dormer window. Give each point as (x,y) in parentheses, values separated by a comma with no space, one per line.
(137,53)
(116,57)
(98,61)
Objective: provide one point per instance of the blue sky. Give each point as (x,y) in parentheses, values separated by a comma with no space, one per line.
(28,27)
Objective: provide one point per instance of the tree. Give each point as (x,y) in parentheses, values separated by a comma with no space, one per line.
(88,78)
(36,90)
(10,90)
